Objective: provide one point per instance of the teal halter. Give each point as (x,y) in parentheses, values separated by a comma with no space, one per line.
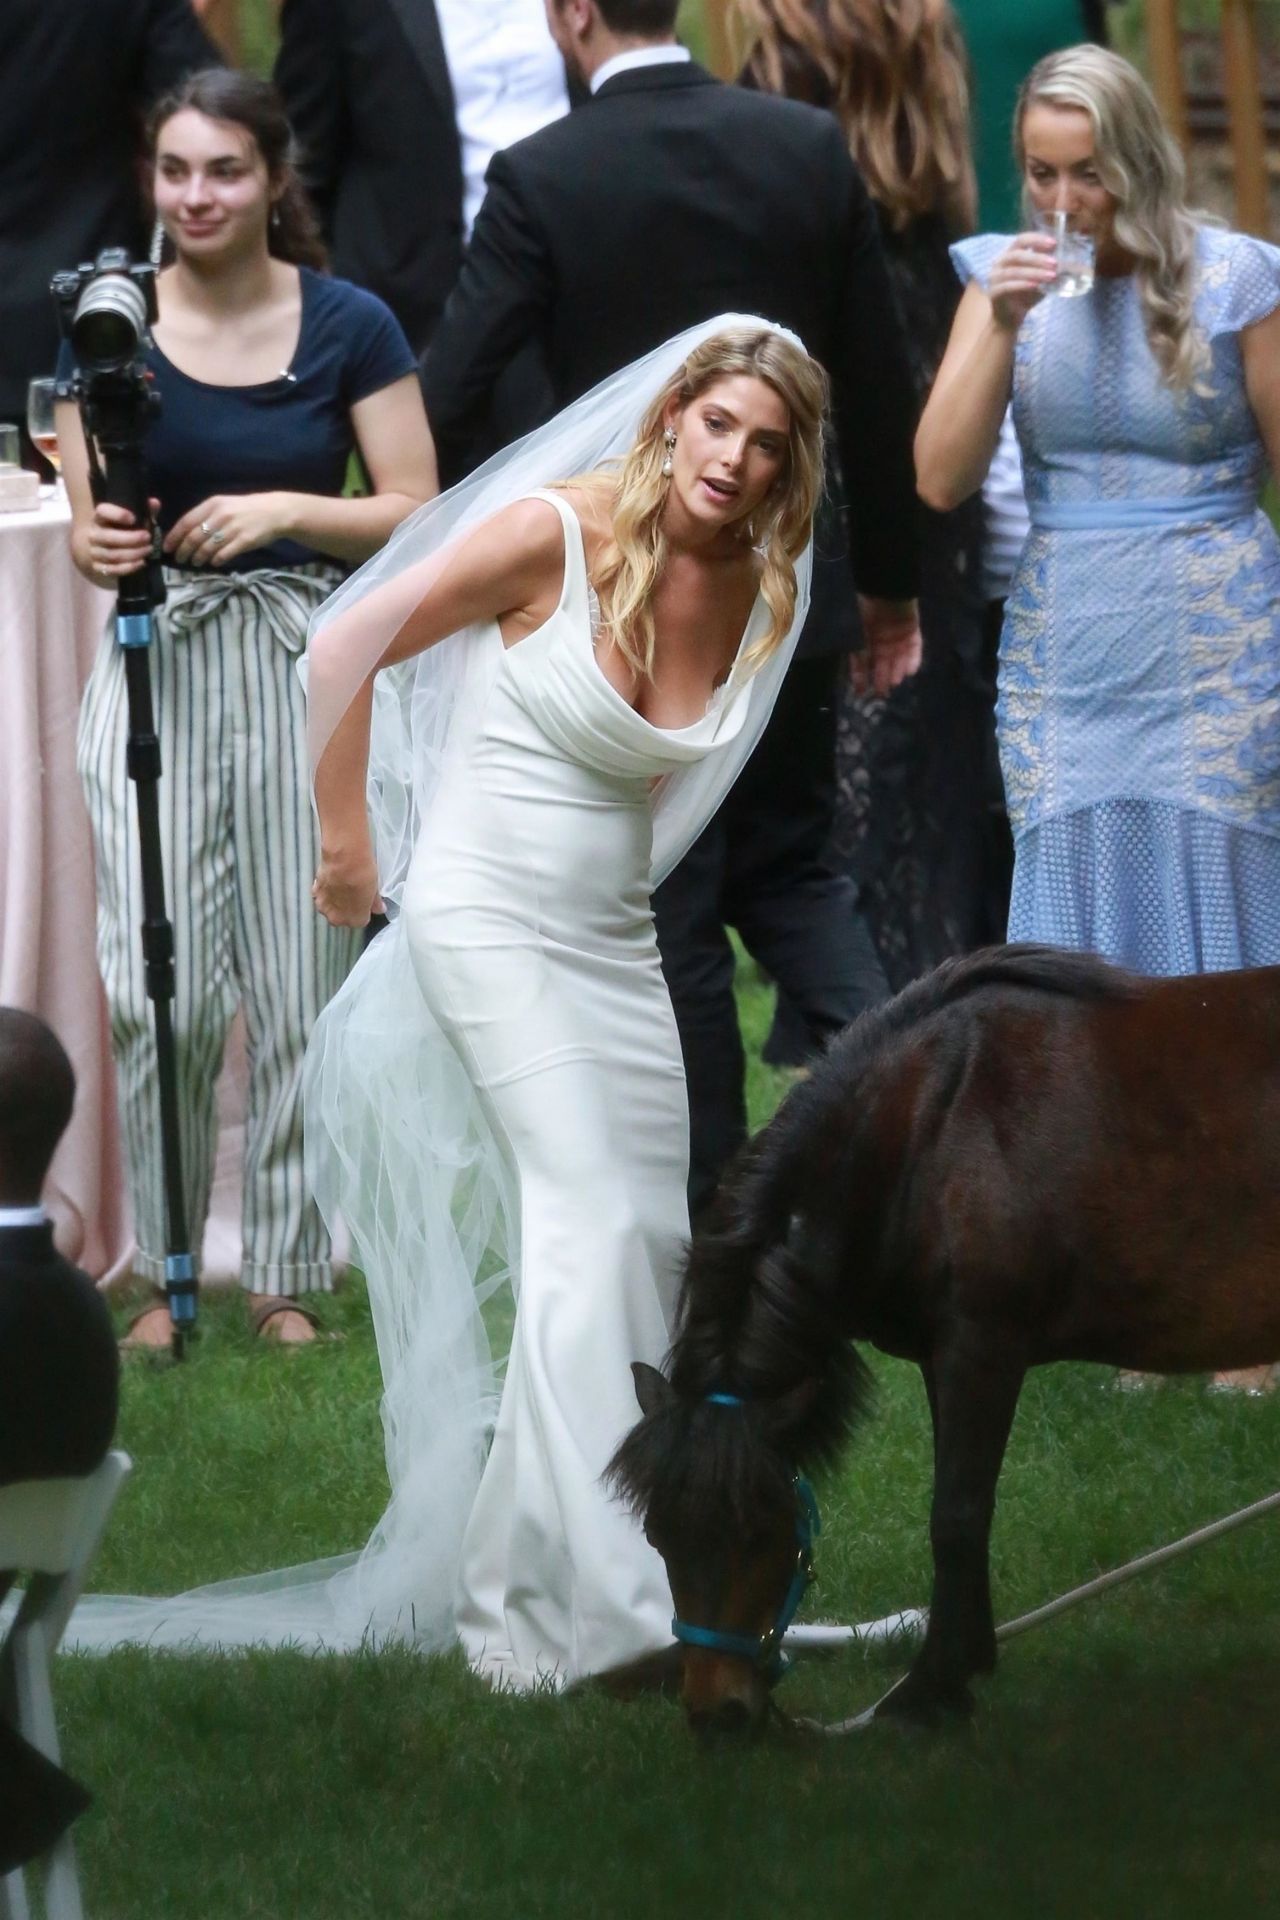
(764,1650)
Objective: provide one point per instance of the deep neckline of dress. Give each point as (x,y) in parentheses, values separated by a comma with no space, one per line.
(717,693)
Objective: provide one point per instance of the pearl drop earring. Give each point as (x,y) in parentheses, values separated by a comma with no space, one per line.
(669,441)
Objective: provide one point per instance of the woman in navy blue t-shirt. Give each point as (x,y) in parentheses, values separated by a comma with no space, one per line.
(270,376)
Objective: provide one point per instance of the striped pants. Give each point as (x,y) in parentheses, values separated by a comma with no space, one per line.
(240,847)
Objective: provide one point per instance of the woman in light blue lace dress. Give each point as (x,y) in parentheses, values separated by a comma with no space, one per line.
(1139,704)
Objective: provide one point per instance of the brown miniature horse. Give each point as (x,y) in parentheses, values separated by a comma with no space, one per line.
(1028,1156)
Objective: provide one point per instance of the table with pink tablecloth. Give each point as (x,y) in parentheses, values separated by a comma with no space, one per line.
(51,621)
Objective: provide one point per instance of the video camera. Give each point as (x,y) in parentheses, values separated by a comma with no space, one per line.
(106,309)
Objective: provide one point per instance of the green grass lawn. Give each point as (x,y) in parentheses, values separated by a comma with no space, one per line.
(1124,1762)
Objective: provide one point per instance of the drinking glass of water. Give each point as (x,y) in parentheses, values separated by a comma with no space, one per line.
(1074,255)
(41,399)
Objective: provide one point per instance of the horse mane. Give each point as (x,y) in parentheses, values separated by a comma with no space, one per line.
(1024,968)
(758,1320)
(697,1473)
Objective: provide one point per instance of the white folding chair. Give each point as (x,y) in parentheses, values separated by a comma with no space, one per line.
(50,1531)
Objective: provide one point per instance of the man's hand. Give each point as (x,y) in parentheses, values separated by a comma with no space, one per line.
(894,647)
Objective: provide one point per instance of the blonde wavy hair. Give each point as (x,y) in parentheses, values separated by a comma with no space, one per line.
(1139,164)
(895,74)
(631,561)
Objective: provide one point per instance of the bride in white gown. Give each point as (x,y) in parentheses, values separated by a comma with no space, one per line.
(527,918)
(497,1096)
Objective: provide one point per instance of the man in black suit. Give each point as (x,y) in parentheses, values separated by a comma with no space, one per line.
(397,105)
(667,199)
(76,79)
(366,86)
(58,1372)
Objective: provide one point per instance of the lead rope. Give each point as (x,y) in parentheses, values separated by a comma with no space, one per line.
(1145,1563)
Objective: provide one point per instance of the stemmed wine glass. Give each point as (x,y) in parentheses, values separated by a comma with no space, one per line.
(41,399)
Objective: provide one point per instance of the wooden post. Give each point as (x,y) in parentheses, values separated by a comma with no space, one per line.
(1164,49)
(1244,109)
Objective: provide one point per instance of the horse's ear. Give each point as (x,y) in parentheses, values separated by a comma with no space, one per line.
(653,1390)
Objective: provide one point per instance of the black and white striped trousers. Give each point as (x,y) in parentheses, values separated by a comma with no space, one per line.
(240,847)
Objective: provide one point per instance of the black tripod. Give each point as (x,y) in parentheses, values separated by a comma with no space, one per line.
(115,407)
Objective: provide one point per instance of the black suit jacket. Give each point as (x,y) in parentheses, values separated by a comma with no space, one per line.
(367,90)
(366,85)
(666,199)
(76,77)
(59,1373)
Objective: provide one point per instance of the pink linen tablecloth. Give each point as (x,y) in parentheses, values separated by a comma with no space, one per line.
(51,621)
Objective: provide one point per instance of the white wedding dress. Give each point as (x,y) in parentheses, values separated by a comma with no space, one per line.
(528,916)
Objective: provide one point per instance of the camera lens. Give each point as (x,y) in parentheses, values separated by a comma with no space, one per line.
(110,323)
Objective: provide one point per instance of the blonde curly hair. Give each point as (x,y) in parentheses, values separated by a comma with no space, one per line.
(1139,164)
(632,559)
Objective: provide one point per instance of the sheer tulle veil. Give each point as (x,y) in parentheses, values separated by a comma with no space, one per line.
(398,1143)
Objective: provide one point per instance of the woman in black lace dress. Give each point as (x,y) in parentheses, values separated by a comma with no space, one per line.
(921,823)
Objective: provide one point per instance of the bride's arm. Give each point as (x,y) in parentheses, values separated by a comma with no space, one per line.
(510,569)
(345,889)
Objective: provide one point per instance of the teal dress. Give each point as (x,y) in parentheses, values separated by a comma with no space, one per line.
(1005,38)
(1139,679)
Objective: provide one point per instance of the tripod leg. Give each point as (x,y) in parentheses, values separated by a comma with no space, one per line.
(116,400)
(143,760)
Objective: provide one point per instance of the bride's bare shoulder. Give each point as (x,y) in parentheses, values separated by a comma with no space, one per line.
(520,543)
(532,524)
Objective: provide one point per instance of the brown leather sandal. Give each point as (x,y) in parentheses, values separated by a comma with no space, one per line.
(129,1341)
(260,1318)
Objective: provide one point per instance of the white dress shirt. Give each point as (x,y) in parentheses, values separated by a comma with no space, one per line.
(22,1216)
(1005,522)
(638,57)
(508,80)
